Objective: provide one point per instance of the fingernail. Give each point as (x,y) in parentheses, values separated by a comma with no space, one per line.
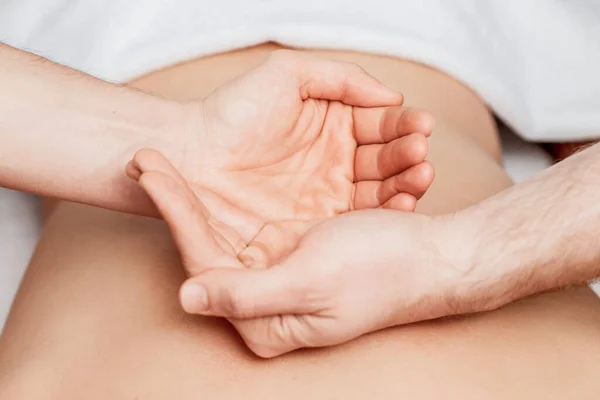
(194,298)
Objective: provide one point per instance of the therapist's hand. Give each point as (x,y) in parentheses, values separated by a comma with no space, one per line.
(301,137)
(299,283)
(313,283)
(347,276)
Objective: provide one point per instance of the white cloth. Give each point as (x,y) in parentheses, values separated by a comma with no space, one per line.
(20,227)
(536,62)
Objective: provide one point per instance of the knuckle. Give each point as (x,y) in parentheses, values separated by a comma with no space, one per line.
(232,304)
(398,184)
(344,86)
(258,337)
(262,346)
(261,350)
(277,339)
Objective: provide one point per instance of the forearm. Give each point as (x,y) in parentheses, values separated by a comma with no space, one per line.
(67,135)
(539,235)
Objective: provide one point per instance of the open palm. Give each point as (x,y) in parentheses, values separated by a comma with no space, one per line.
(302,138)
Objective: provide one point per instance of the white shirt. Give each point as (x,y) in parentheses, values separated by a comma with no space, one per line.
(536,63)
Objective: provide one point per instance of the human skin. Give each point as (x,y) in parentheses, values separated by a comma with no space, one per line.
(67,135)
(369,270)
(324,118)
(97,315)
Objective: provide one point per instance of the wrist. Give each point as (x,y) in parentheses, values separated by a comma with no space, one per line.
(442,248)
(145,122)
(491,275)
(177,133)
(456,242)
(191,157)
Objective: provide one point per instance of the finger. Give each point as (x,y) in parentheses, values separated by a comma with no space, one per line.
(366,196)
(334,80)
(259,336)
(274,242)
(384,124)
(401,202)
(273,336)
(242,222)
(414,181)
(381,161)
(245,293)
(187,222)
(148,160)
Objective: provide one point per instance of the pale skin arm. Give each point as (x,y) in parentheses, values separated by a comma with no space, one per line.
(67,135)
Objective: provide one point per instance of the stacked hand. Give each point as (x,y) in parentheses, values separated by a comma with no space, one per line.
(294,141)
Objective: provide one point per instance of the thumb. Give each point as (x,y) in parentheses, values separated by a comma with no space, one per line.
(183,212)
(349,83)
(247,293)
